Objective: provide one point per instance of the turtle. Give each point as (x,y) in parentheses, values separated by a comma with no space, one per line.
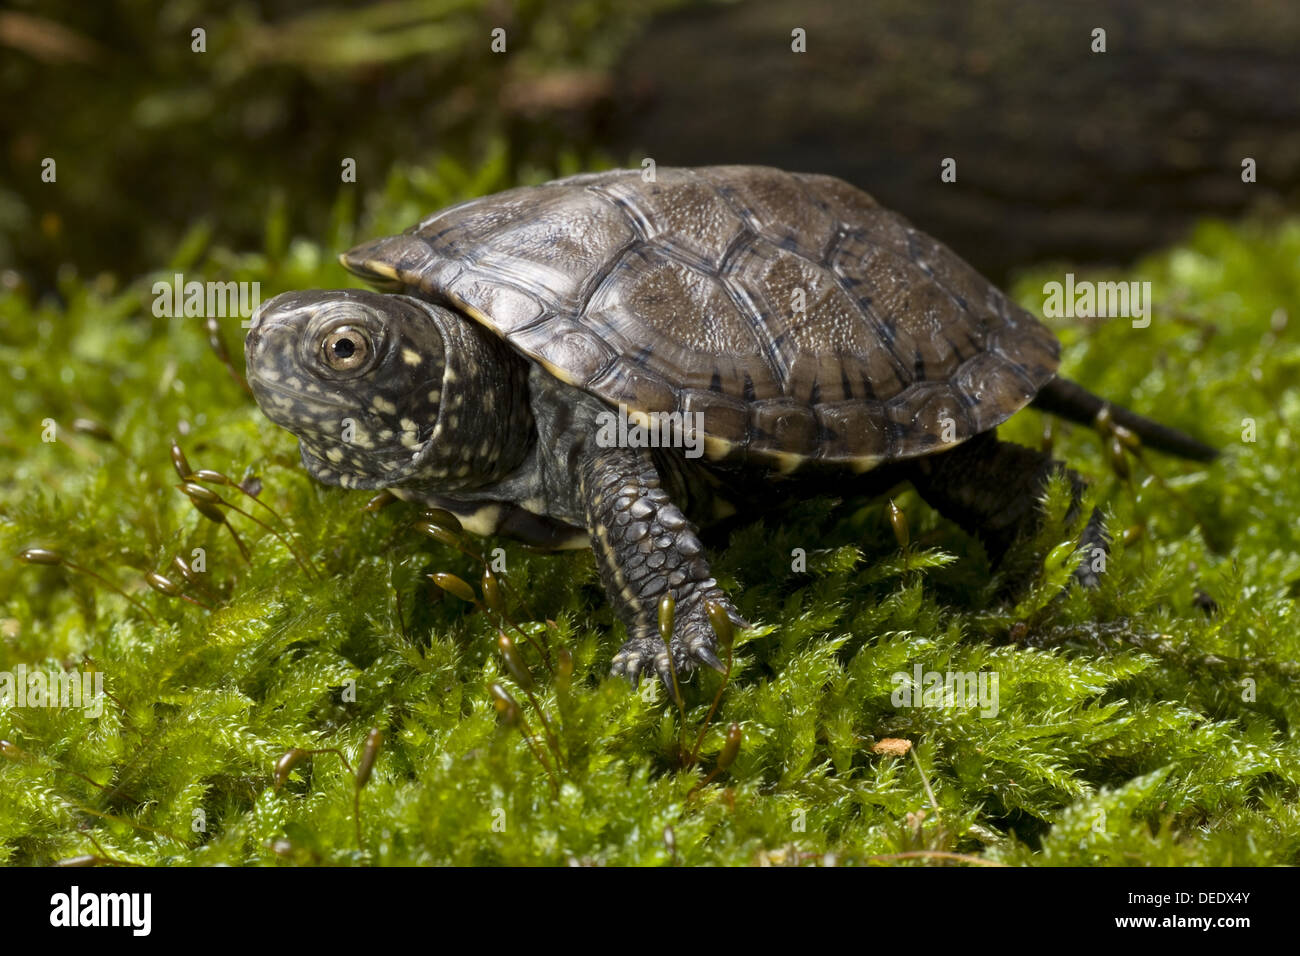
(617,360)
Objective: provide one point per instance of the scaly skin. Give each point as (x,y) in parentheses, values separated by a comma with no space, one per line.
(645,547)
(991,489)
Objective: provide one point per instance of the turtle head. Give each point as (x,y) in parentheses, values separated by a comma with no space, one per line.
(380,389)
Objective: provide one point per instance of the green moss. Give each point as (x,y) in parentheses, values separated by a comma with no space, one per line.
(1132,726)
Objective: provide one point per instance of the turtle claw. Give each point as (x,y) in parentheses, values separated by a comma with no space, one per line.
(693,643)
(1094,537)
(635,656)
(644,655)
(705,655)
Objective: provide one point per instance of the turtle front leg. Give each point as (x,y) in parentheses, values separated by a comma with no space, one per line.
(646,548)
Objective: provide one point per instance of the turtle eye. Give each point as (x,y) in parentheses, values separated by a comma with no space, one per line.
(346,348)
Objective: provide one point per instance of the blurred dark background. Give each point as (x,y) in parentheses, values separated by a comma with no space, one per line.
(1061,153)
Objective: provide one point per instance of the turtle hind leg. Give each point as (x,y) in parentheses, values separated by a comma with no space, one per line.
(991,489)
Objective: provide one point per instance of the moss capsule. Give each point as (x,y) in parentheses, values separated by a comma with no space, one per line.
(721,623)
(40,556)
(197,493)
(12,750)
(439,533)
(444,519)
(1118,459)
(731,747)
(505,704)
(285,764)
(667,614)
(369,753)
(492,594)
(898,521)
(454,586)
(185,571)
(162,585)
(88,426)
(514,663)
(180,463)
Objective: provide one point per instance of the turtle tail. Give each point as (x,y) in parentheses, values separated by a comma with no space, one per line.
(1075,403)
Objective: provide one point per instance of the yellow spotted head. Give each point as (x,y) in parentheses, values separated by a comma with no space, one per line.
(358,377)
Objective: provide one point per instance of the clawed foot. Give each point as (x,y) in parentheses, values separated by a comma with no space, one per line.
(693,643)
(1095,544)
